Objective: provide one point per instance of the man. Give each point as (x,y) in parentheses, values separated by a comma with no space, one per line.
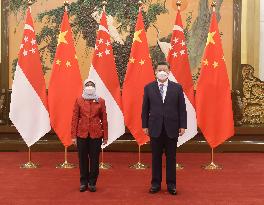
(164,118)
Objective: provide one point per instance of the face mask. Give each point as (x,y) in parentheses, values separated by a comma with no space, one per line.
(162,75)
(90,90)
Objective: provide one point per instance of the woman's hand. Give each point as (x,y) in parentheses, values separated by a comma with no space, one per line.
(146,131)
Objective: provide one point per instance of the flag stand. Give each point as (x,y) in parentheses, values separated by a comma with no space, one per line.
(29,164)
(139,165)
(212,165)
(104,165)
(179,166)
(65,164)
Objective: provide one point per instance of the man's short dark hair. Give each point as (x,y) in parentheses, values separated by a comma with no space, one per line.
(162,63)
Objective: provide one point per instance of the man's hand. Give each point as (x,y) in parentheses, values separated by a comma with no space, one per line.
(146,131)
(74,142)
(104,141)
(181,131)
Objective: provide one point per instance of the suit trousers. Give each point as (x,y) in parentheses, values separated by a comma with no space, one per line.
(167,145)
(88,153)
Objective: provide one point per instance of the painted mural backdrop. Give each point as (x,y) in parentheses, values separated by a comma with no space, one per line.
(159,17)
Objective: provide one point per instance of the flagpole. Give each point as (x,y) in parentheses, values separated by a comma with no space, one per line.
(104,165)
(65,164)
(29,164)
(212,165)
(66,4)
(178,165)
(139,165)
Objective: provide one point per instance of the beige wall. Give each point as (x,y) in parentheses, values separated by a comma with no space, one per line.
(250,33)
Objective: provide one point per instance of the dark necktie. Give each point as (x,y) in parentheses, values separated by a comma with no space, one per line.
(161,90)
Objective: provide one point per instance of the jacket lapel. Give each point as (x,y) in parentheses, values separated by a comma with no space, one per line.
(168,92)
(156,88)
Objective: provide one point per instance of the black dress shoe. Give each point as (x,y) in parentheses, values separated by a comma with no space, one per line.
(83,188)
(92,188)
(172,191)
(154,189)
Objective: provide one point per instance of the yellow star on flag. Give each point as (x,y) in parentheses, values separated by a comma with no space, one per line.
(141,62)
(61,38)
(136,36)
(205,62)
(132,60)
(210,38)
(68,64)
(58,62)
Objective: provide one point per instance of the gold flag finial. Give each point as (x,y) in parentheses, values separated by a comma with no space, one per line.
(140,4)
(104,3)
(66,5)
(213,5)
(30,2)
(178,4)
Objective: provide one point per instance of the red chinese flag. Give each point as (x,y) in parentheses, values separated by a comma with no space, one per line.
(213,95)
(65,84)
(139,73)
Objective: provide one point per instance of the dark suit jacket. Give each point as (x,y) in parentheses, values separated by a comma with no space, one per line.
(172,112)
(89,118)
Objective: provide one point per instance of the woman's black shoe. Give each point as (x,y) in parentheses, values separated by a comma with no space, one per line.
(92,188)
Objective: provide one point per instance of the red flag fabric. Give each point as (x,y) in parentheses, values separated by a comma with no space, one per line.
(28,107)
(139,73)
(181,73)
(65,84)
(213,95)
(103,72)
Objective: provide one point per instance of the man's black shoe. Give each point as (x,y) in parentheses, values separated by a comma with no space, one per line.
(154,189)
(172,191)
(83,188)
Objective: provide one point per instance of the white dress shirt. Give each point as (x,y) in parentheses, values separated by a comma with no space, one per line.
(165,87)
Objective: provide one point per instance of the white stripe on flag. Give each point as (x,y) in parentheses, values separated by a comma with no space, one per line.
(191,130)
(115,117)
(27,111)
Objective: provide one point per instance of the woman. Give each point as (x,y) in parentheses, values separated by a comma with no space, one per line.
(89,128)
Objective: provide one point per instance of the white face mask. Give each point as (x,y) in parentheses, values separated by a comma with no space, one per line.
(162,75)
(90,90)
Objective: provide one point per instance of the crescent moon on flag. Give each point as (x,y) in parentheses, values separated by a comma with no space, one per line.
(177,28)
(28,27)
(102,28)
